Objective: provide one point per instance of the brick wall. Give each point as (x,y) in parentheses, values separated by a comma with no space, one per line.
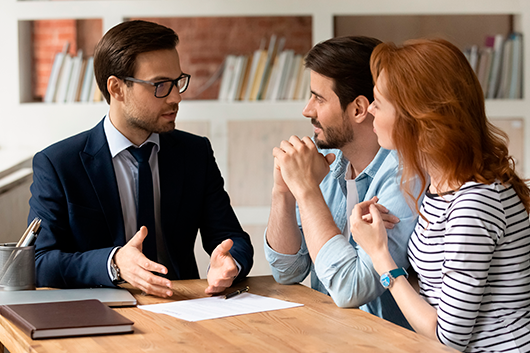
(48,37)
(204,43)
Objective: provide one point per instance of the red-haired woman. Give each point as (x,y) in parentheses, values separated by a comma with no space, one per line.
(471,246)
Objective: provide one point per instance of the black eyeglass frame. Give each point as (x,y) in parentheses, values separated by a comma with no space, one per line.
(157,84)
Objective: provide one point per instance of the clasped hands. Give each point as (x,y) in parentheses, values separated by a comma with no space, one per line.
(137,269)
(299,167)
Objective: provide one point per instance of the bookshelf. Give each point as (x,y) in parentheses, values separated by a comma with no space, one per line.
(32,126)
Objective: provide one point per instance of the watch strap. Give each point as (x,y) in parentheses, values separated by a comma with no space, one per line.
(115,270)
(399,272)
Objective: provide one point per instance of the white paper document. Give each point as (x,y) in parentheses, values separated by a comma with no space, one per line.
(218,306)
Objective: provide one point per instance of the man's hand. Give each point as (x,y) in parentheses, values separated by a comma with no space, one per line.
(388,219)
(136,268)
(302,166)
(279,183)
(223,269)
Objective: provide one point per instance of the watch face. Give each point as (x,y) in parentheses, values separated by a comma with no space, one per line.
(114,272)
(385,280)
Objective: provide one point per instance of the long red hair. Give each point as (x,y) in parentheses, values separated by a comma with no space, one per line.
(441,118)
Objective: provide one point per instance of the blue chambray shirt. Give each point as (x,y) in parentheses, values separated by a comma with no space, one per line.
(342,269)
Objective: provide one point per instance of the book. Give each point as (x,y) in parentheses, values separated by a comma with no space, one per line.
(253,66)
(57,67)
(227,77)
(506,70)
(292,77)
(65,319)
(472,57)
(305,86)
(77,97)
(64,80)
(484,68)
(274,48)
(234,90)
(258,76)
(278,81)
(245,78)
(496,65)
(517,67)
(74,77)
(87,80)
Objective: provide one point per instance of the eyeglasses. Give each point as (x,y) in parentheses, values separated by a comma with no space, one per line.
(163,88)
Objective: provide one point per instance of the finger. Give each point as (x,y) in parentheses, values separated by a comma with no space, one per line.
(363,206)
(223,248)
(295,140)
(214,289)
(150,283)
(153,289)
(367,218)
(306,140)
(138,238)
(277,152)
(150,265)
(220,284)
(381,208)
(330,158)
(387,217)
(389,225)
(287,146)
(376,215)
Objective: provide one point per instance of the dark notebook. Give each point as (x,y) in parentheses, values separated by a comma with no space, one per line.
(62,319)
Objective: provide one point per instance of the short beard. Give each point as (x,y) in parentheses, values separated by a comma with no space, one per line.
(336,138)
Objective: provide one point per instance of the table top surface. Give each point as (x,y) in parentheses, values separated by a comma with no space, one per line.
(318,326)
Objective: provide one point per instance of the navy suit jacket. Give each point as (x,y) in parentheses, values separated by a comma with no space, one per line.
(75,192)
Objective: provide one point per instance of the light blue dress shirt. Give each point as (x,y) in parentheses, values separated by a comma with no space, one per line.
(342,269)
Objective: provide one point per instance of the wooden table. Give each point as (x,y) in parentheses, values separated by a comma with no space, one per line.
(318,326)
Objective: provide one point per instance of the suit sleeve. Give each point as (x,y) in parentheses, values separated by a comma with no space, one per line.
(219,221)
(60,259)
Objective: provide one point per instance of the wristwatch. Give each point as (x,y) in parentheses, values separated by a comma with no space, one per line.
(115,272)
(387,278)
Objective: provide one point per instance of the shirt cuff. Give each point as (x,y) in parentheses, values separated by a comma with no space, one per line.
(111,255)
(281,261)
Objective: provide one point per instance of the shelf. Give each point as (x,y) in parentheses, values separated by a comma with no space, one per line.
(188,110)
(506,108)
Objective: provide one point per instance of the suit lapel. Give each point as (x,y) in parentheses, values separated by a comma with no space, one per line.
(97,161)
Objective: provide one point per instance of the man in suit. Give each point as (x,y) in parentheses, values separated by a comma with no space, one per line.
(124,201)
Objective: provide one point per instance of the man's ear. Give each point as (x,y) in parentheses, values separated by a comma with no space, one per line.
(358,109)
(116,88)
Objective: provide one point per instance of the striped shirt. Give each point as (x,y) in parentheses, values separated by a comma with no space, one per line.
(473,265)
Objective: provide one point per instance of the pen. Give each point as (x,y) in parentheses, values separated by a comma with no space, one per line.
(237,292)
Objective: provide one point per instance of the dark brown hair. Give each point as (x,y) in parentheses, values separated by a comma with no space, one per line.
(346,60)
(115,54)
(441,117)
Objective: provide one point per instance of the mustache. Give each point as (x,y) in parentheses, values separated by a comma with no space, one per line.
(316,123)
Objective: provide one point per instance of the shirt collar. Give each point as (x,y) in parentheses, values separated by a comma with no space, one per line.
(340,168)
(118,142)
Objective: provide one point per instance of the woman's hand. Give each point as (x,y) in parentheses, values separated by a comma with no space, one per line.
(370,234)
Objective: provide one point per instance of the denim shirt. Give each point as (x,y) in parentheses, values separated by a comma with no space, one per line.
(342,269)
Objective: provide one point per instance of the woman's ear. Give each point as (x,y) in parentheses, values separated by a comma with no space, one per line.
(116,88)
(358,109)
